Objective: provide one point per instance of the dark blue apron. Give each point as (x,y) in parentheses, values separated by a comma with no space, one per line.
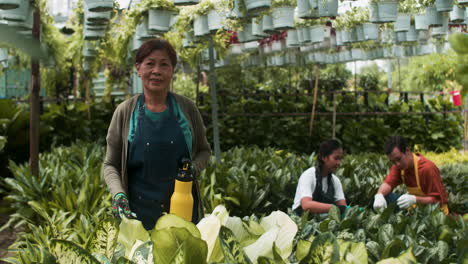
(153,158)
(320,196)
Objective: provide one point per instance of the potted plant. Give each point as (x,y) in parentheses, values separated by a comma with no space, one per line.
(159,14)
(257,28)
(327,8)
(444,5)
(9,4)
(383,11)
(387,34)
(254,7)
(18,14)
(442,30)
(405,19)
(305,10)
(433,17)
(292,39)
(283,14)
(99,5)
(303,30)
(457,15)
(349,24)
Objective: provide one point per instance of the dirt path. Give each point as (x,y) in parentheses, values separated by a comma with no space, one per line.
(7,237)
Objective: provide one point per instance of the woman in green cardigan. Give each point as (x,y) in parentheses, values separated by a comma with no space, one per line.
(148,136)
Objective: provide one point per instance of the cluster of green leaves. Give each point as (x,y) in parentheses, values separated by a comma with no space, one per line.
(432,132)
(424,232)
(352,18)
(255,180)
(66,201)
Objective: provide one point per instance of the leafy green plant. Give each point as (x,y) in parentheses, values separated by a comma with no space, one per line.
(281,3)
(459,42)
(351,18)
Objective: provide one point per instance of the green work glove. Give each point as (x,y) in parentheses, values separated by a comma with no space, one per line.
(121,207)
(343,209)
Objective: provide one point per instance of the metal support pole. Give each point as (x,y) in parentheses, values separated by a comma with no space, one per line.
(399,76)
(34,102)
(214,102)
(334,117)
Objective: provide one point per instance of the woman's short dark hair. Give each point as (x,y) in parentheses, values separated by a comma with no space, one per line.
(326,149)
(395,142)
(156,44)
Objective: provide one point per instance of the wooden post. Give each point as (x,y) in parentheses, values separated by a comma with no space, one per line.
(312,114)
(34,101)
(214,102)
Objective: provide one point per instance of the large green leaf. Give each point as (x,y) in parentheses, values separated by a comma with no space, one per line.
(70,253)
(131,230)
(352,252)
(232,250)
(167,241)
(172,220)
(405,258)
(104,239)
(393,249)
(324,249)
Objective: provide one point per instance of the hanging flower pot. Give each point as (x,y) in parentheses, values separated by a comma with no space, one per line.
(235,49)
(305,10)
(463,2)
(400,37)
(328,8)
(3,54)
(442,30)
(457,15)
(18,14)
(9,4)
(257,28)
(214,20)
(433,18)
(317,33)
(423,36)
(444,5)
(411,34)
(387,36)
(292,39)
(189,40)
(455,29)
(403,22)
(97,17)
(304,35)
(360,36)
(250,46)
(99,5)
(283,17)
(371,31)
(246,34)
(398,51)
(142,30)
(357,54)
(235,11)
(93,33)
(339,40)
(89,49)
(160,20)
(267,24)
(185,2)
(278,45)
(383,11)
(200,26)
(257,6)
(420,22)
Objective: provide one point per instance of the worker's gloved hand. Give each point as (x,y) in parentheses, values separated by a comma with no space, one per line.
(121,207)
(343,209)
(406,200)
(379,201)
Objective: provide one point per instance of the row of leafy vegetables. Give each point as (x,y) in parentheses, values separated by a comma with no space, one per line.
(65,217)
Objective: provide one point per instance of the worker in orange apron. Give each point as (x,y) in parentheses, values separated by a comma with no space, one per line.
(420,175)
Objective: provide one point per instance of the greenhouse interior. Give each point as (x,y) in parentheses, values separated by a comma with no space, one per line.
(233,131)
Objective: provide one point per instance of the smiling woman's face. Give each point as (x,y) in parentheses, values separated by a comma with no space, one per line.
(156,71)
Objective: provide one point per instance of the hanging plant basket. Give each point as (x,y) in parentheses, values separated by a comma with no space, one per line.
(317,33)
(99,5)
(442,30)
(256,6)
(189,40)
(305,10)
(403,22)
(420,22)
(235,11)
(97,17)
(246,34)
(412,34)
(159,20)
(185,2)
(463,2)
(328,8)
(257,29)
(214,21)
(400,37)
(89,49)
(278,45)
(26,25)
(371,31)
(283,18)
(250,46)
(292,39)
(339,38)
(444,5)
(304,35)
(387,36)
(142,30)
(235,49)
(424,49)
(200,26)
(360,36)
(9,4)
(93,33)
(267,25)
(383,11)
(423,36)
(433,18)
(3,54)
(18,14)
(357,54)
(457,15)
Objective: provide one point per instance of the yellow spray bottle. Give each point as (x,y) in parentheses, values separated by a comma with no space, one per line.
(182,199)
